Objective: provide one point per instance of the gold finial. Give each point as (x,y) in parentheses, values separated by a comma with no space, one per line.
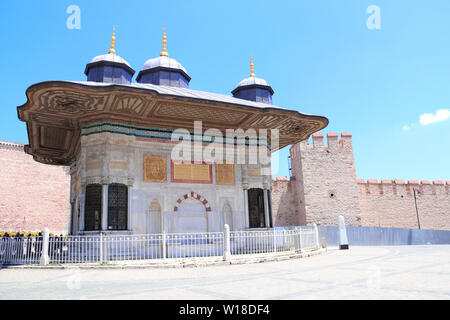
(113,40)
(164,52)
(252,70)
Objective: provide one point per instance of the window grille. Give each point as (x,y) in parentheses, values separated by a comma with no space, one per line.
(117,207)
(93,208)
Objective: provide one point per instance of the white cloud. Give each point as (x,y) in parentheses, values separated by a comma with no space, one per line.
(405,128)
(440,115)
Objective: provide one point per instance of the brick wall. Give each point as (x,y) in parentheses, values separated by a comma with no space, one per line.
(391,204)
(284,203)
(33,196)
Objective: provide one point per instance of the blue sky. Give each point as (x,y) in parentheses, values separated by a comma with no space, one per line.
(319,57)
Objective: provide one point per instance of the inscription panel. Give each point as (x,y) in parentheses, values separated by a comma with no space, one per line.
(155,169)
(191,173)
(225,174)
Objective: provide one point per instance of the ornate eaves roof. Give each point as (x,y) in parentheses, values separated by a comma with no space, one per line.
(56,110)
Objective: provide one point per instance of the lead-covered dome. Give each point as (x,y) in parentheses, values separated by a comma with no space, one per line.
(110,57)
(252,81)
(164,62)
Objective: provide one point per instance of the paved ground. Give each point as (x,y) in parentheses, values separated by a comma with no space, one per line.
(403,272)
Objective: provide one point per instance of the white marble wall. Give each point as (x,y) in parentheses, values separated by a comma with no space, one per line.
(116,158)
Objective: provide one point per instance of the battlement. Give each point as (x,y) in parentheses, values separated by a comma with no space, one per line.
(397,187)
(333,141)
(284,178)
(6,145)
(280,181)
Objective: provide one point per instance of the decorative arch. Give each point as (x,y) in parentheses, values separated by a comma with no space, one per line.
(195,196)
(154,205)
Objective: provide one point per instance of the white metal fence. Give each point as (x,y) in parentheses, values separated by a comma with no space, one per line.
(105,248)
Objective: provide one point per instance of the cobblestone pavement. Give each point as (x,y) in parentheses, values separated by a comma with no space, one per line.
(401,272)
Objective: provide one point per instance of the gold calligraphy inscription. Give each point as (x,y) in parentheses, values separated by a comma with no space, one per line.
(155,168)
(225,174)
(191,172)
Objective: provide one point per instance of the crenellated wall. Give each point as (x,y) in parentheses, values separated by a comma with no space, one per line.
(323,186)
(388,203)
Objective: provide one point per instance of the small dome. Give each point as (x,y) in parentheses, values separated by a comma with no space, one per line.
(163,61)
(252,81)
(110,57)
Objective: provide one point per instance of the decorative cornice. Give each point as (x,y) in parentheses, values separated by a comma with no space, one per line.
(103,63)
(128,180)
(161,68)
(157,133)
(253,86)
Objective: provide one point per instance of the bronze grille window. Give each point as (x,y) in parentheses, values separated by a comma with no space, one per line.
(117,207)
(93,208)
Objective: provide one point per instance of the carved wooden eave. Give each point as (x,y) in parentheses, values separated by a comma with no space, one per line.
(56,110)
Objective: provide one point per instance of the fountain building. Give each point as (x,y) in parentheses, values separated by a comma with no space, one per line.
(155,156)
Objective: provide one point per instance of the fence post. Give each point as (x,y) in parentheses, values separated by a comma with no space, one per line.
(300,235)
(44,256)
(164,245)
(106,244)
(274,240)
(343,241)
(316,235)
(226,243)
(101,247)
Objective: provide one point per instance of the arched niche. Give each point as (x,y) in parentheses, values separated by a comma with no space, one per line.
(154,218)
(227,215)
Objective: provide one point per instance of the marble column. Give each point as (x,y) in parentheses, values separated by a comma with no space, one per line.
(245,188)
(104,207)
(130,206)
(266,209)
(82,203)
(247,216)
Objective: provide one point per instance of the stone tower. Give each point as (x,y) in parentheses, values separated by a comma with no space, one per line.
(324,180)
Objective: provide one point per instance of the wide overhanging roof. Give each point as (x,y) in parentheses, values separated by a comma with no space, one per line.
(56,110)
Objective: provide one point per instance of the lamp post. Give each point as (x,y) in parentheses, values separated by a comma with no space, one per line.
(415,202)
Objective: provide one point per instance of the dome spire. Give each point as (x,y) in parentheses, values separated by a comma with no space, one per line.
(164,52)
(252,70)
(113,40)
